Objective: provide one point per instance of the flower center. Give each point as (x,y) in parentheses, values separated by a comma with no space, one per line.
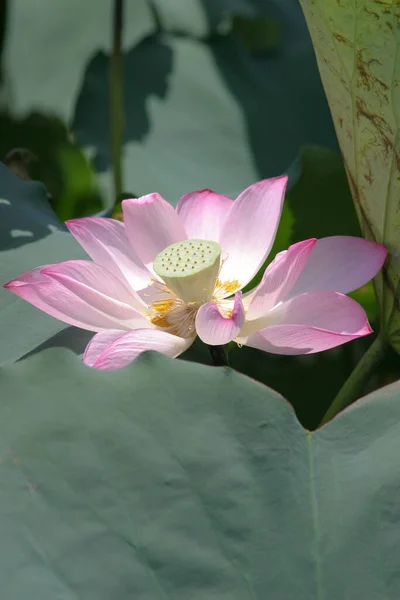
(190,268)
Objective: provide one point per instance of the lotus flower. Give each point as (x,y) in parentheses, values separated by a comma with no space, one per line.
(164,276)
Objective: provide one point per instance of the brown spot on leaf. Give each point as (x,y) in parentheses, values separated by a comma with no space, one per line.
(368,176)
(367,80)
(387,6)
(372,13)
(382,128)
(342,39)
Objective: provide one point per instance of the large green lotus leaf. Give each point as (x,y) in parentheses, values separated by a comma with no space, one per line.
(174,480)
(30,236)
(199,111)
(310,383)
(357,48)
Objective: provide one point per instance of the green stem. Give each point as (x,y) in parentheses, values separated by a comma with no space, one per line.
(350,390)
(116,100)
(219,356)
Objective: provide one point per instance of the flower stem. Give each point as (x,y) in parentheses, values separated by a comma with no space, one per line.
(219,356)
(349,392)
(116,100)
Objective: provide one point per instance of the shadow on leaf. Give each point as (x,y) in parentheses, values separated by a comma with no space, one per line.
(147,68)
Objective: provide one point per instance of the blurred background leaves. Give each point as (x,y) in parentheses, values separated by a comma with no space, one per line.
(217,93)
(43,149)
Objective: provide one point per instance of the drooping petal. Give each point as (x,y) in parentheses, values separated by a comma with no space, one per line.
(215,329)
(151,225)
(106,243)
(203,214)
(308,323)
(127,347)
(99,343)
(51,296)
(279,278)
(340,264)
(249,229)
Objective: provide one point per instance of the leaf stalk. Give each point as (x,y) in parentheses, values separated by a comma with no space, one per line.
(116,100)
(219,356)
(363,370)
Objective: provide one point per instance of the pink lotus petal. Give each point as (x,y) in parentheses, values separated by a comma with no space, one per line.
(127,347)
(250,227)
(203,214)
(53,298)
(30,277)
(308,323)
(279,278)
(215,329)
(341,264)
(106,243)
(53,290)
(99,343)
(151,225)
(328,310)
(96,285)
(299,339)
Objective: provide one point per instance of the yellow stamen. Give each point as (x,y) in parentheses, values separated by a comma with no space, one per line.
(177,315)
(164,305)
(160,321)
(230,286)
(173,314)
